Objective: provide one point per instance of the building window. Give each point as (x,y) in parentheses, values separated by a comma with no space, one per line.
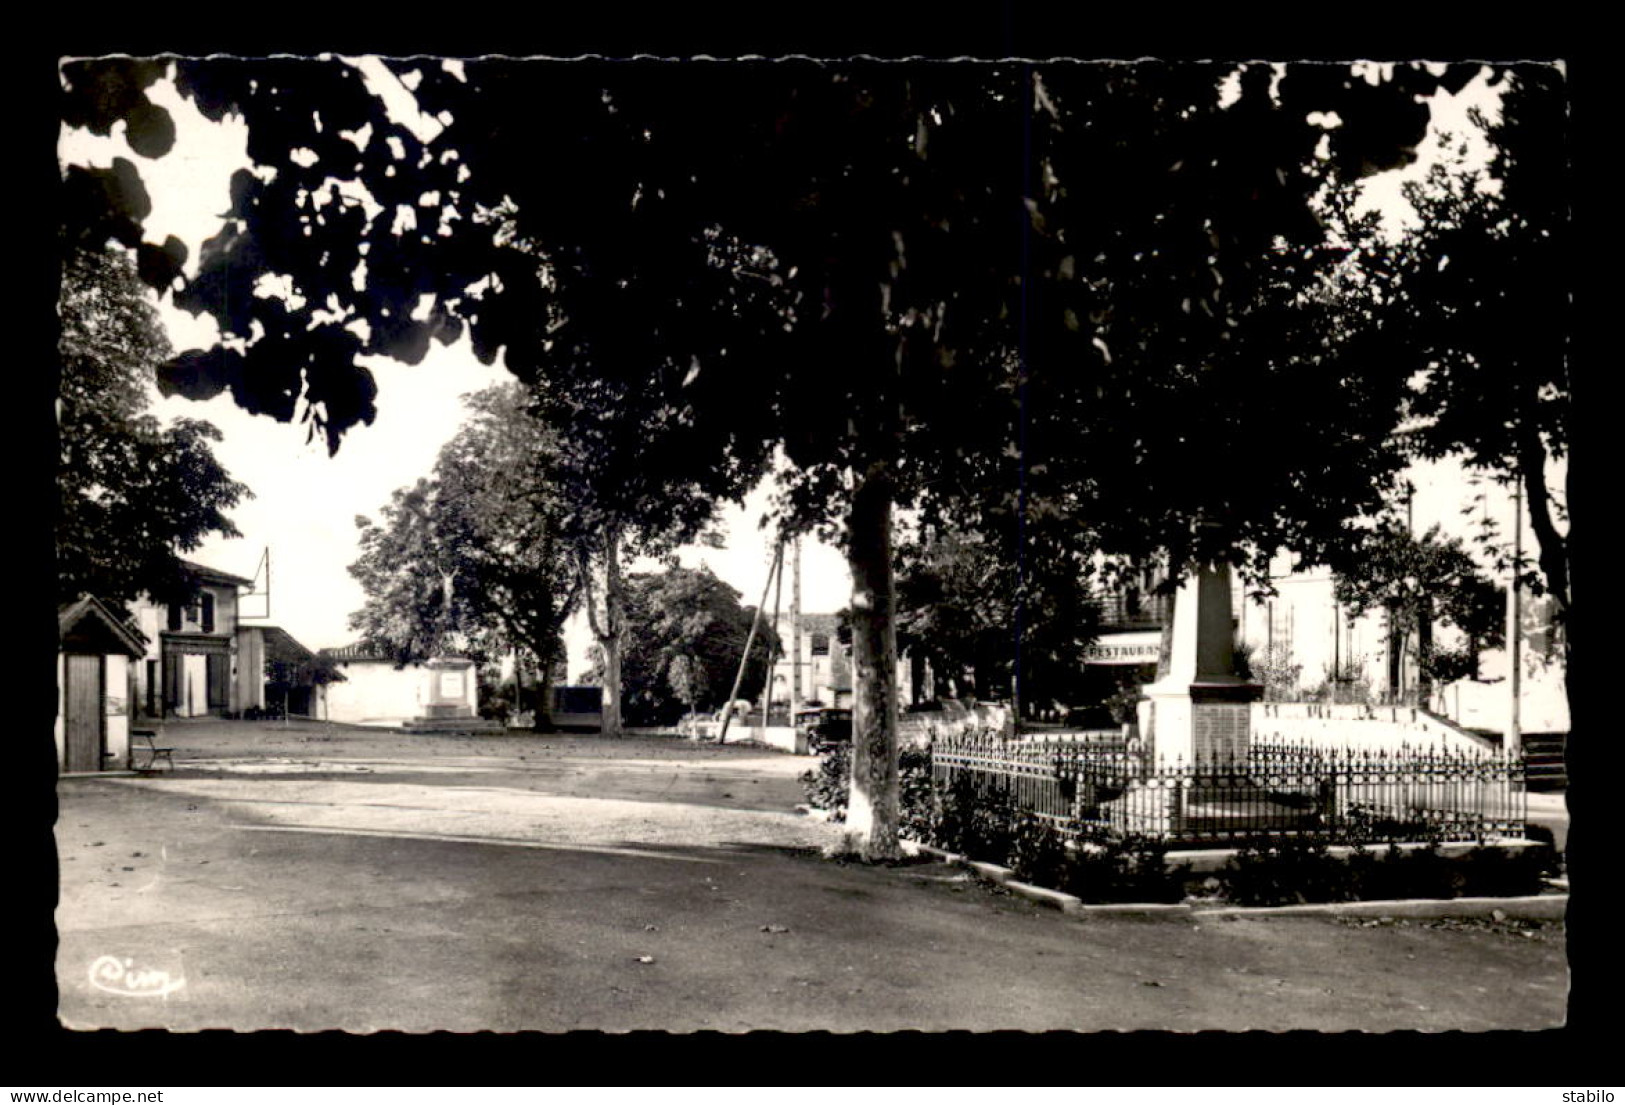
(174,616)
(208,612)
(820,644)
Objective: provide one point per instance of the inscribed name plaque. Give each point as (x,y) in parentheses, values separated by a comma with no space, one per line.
(451,684)
(1219,730)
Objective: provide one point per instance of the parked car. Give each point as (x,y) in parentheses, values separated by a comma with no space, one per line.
(825,727)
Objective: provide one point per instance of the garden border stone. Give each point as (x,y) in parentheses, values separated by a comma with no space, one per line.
(1544,907)
(1207,860)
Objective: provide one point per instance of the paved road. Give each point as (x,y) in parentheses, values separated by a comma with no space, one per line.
(314,879)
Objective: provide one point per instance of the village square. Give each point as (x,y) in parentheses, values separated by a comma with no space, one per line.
(797,547)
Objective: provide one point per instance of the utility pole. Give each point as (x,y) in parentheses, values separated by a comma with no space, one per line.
(750,639)
(1514,730)
(774,649)
(795,632)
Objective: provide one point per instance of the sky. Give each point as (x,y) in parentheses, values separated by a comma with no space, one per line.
(305,502)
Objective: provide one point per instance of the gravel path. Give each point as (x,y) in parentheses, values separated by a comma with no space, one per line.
(316,880)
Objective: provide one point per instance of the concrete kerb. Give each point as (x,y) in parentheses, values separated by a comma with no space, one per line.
(1542,907)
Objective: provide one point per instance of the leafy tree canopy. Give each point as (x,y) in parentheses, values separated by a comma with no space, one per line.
(966,603)
(791,251)
(913,277)
(474,558)
(133,493)
(1418,581)
(686,633)
(1431,575)
(1483,313)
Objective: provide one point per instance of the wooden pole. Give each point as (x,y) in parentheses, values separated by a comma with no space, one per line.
(795,632)
(739,676)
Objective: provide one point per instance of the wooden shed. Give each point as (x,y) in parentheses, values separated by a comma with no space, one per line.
(94,650)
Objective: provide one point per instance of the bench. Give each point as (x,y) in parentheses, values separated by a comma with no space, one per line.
(155,752)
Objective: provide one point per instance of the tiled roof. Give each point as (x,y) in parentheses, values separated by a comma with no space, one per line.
(89,606)
(280,645)
(215,575)
(360,650)
(810,623)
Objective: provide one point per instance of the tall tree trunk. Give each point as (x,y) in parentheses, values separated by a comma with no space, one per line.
(542,719)
(1553,554)
(611,632)
(1396,653)
(518,685)
(614,630)
(873,809)
(1424,652)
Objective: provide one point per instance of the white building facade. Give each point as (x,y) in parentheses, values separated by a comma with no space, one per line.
(200,661)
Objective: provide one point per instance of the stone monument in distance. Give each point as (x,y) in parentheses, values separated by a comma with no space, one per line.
(1200,708)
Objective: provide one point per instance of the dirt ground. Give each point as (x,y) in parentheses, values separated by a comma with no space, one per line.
(312,878)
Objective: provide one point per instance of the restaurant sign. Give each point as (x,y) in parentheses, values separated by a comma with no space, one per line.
(1126,648)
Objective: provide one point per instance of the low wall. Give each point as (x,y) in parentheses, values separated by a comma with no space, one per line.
(1543,704)
(1357,726)
(955,719)
(783,737)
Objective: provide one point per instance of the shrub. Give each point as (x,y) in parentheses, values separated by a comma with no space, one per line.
(1550,856)
(1284,871)
(977,821)
(1420,873)
(829,785)
(1502,872)
(1038,854)
(920,810)
(1123,869)
(1292,870)
(952,829)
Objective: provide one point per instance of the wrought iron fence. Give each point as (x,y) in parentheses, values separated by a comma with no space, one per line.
(1341,795)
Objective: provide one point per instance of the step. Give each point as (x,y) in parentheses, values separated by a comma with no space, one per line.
(453,725)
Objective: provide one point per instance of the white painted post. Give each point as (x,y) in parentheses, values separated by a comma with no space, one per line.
(1514,729)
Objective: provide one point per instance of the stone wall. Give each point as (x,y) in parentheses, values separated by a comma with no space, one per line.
(1360,727)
